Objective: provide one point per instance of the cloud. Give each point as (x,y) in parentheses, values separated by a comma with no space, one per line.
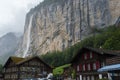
(12,14)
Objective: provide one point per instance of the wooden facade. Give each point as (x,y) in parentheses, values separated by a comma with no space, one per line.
(88,61)
(114,60)
(20,68)
(67,72)
(1,76)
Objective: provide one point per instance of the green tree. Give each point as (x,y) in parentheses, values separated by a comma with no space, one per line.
(113,43)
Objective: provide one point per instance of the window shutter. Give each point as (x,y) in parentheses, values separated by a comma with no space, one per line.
(91,66)
(83,56)
(97,64)
(88,55)
(80,67)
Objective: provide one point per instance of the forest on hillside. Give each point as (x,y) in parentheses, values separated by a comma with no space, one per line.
(106,38)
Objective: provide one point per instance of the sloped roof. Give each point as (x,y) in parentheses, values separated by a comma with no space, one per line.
(30,58)
(97,50)
(103,51)
(19,60)
(16,59)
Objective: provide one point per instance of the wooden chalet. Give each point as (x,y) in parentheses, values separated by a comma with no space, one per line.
(87,61)
(24,68)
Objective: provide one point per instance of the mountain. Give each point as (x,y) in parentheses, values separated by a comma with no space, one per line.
(58,24)
(8,45)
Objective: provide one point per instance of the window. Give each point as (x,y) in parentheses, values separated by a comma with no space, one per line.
(88,66)
(92,78)
(94,66)
(84,78)
(91,55)
(85,56)
(80,67)
(77,67)
(84,67)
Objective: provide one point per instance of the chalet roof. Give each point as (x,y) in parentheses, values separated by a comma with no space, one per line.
(30,58)
(19,60)
(97,50)
(103,51)
(16,59)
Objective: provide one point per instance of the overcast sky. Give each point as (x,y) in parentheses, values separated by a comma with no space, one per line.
(12,14)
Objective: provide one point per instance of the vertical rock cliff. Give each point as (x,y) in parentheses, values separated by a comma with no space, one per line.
(57,24)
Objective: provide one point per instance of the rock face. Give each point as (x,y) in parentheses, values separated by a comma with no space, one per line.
(57,24)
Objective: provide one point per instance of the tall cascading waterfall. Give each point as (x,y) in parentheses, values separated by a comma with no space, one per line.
(28,36)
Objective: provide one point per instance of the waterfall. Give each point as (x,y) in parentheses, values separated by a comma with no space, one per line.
(28,36)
